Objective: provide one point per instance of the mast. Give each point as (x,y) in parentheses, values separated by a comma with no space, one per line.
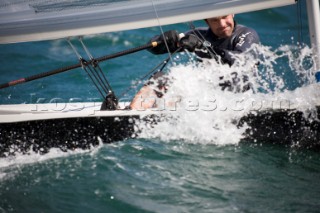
(314,29)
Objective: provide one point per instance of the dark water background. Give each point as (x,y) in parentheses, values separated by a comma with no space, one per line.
(150,175)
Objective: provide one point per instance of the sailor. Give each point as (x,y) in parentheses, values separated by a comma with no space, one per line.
(224,37)
(220,40)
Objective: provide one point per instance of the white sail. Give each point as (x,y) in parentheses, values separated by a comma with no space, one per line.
(34,20)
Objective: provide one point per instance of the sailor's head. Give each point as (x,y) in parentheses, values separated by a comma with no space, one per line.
(221,26)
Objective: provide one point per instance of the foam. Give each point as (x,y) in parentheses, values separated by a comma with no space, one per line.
(203,113)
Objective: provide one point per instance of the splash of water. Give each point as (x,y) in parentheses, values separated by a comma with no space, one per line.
(198,110)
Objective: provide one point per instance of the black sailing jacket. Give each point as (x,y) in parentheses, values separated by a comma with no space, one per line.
(241,39)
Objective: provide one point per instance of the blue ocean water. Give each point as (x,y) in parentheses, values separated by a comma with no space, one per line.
(152,174)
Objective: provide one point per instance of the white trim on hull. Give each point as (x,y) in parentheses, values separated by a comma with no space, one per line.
(33,112)
(49,111)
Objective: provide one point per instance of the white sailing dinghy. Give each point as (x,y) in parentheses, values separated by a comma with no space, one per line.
(80,124)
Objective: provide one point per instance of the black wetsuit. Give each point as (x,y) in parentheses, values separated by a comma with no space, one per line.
(241,39)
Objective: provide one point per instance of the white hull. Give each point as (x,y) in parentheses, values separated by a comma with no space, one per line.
(33,112)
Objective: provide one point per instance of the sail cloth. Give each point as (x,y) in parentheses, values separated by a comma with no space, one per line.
(35,20)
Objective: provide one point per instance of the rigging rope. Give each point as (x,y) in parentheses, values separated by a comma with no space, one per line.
(85,66)
(85,48)
(74,49)
(78,65)
(94,71)
(133,86)
(95,65)
(206,44)
(299,25)
(162,33)
(151,73)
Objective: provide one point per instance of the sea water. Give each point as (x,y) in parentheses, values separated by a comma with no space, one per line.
(193,162)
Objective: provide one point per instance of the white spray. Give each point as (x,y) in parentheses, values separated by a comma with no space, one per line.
(200,112)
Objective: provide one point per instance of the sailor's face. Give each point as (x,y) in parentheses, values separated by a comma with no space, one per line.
(221,26)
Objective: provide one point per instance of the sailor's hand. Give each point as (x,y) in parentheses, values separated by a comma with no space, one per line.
(170,38)
(190,42)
